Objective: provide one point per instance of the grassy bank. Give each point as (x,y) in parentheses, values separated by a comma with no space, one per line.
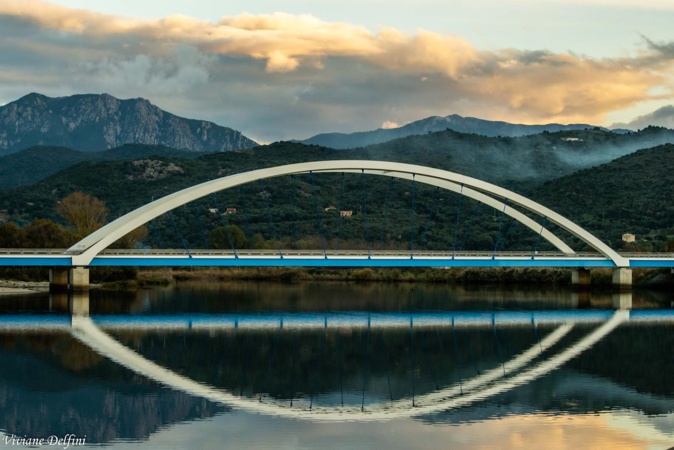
(145,277)
(538,276)
(283,274)
(453,275)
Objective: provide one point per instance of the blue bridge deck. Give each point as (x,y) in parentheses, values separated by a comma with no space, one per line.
(47,258)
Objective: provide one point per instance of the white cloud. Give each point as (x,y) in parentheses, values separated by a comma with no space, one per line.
(386,125)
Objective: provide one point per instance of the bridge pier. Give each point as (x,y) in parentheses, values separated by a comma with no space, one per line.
(580,277)
(622,278)
(58,279)
(68,278)
(79,279)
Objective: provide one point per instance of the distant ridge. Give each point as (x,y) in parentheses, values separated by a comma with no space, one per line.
(93,122)
(452,122)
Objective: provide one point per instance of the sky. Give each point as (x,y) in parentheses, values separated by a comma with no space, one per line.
(290,69)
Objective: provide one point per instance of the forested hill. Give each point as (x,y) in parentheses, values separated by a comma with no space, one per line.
(499,160)
(535,158)
(633,194)
(36,163)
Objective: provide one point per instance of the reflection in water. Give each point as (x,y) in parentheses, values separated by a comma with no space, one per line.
(53,384)
(438,371)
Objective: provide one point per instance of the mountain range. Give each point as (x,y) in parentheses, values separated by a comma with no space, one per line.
(98,122)
(95,122)
(452,122)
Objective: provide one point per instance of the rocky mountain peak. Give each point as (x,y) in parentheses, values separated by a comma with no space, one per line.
(93,122)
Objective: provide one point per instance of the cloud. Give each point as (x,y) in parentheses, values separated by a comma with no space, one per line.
(662,117)
(284,76)
(636,4)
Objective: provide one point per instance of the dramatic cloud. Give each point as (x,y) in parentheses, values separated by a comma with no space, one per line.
(662,117)
(281,75)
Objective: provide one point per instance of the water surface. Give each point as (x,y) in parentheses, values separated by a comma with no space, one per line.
(341,365)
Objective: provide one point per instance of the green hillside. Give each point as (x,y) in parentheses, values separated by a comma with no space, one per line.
(497,159)
(634,194)
(37,163)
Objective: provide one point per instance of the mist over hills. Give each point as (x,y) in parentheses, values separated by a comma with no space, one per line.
(452,122)
(632,194)
(533,158)
(94,122)
(662,117)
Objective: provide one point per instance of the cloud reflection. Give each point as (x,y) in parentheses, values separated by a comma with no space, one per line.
(615,429)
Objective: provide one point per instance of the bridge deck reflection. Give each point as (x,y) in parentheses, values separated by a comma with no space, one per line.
(317,321)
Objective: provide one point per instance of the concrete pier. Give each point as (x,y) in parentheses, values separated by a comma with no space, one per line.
(68,278)
(58,279)
(580,277)
(78,279)
(622,278)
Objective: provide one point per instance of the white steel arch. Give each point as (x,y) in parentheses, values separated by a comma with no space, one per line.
(85,250)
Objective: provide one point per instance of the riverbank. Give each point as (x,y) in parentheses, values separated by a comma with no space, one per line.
(146,277)
(534,276)
(9,287)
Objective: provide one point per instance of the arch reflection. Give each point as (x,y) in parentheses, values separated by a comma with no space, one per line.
(546,354)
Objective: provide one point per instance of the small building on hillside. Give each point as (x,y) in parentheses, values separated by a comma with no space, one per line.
(346,213)
(230,211)
(629,237)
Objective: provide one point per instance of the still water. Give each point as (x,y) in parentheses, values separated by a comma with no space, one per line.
(338,365)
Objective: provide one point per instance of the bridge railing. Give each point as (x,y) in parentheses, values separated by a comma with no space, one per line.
(328,253)
(337,253)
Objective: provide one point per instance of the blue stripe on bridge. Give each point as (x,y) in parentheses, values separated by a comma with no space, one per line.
(147,259)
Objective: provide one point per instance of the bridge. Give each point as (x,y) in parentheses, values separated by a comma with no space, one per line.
(69,266)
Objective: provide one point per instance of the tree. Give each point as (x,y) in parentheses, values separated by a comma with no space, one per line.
(218,237)
(47,234)
(131,239)
(11,236)
(669,245)
(259,242)
(85,213)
